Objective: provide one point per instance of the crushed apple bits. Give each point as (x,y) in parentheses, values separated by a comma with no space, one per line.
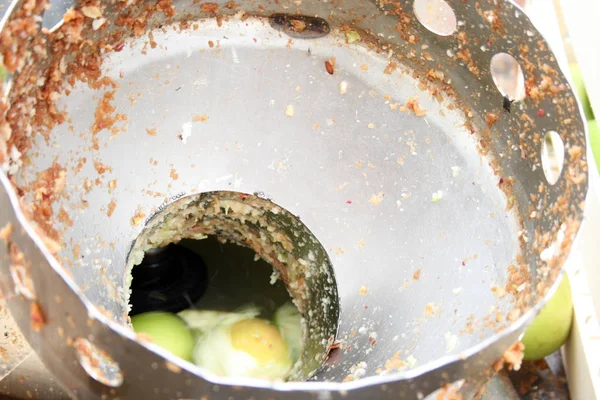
(376,198)
(298,25)
(101,168)
(417,275)
(6,232)
(20,272)
(137,218)
(390,68)
(413,105)
(329,67)
(104,118)
(38,320)
(111,208)
(491,118)
(289,110)
(449,392)
(394,363)
(200,118)
(210,8)
(172,367)
(112,185)
(50,184)
(513,357)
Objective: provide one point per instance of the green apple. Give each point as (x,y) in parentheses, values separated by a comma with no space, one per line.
(594,130)
(579,88)
(552,326)
(167,331)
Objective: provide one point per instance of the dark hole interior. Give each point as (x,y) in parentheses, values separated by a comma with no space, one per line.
(205,274)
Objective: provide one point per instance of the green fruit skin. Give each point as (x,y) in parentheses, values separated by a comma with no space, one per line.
(167,331)
(579,88)
(594,130)
(552,326)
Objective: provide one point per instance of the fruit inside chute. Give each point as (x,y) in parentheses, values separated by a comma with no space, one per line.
(166,330)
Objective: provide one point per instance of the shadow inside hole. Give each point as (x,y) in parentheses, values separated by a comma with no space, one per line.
(235,279)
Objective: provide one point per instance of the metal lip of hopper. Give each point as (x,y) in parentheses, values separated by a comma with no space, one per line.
(76,322)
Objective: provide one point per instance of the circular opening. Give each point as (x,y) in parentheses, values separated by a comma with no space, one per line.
(260,264)
(553,156)
(98,364)
(436,15)
(508,76)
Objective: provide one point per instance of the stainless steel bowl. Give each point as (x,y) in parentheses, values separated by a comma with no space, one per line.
(412,139)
